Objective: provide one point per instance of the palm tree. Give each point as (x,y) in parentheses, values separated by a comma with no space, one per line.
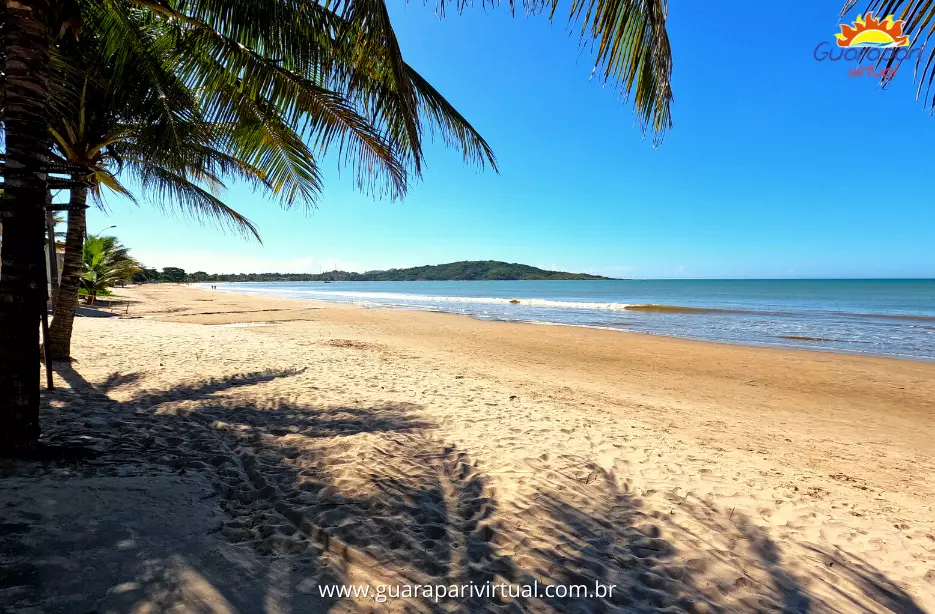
(105,262)
(630,45)
(114,116)
(268,69)
(108,128)
(918,15)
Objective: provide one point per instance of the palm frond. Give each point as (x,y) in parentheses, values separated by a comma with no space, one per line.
(103,177)
(335,73)
(237,85)
(255,90)
(261,140)
(164,188)
(133,53)
(453,128)
(630,43)
(369,22)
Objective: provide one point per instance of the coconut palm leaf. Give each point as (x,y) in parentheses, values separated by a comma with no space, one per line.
(630,43)
(333,72)
(336,58)
(105,178)
(235,83)
(162,185)
(131,55)
(118,120)
(452,127)
(369,21)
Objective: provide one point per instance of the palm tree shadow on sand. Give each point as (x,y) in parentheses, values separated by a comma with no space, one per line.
(315,497)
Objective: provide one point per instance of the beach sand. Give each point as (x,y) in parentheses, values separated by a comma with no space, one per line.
(248,451)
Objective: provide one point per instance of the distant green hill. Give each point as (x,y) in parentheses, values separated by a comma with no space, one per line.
(453,271)
(469,270)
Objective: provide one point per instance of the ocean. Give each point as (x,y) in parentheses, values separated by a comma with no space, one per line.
(880,317)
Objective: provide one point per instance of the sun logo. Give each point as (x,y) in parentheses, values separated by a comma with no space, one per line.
(870,32)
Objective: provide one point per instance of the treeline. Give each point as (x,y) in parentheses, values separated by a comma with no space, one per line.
(466,270)
(169,274)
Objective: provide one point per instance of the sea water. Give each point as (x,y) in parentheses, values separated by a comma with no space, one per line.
(882,317)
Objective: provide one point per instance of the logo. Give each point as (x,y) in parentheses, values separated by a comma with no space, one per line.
(870,32)
(878,42)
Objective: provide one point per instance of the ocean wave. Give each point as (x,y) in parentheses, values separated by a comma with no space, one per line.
(654,308)
(428,301)
(805,338)
(400,298)
(889,316)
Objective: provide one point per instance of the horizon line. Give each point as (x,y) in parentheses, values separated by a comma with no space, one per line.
(607,278)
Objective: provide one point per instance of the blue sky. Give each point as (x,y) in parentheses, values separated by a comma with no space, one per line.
(777,166)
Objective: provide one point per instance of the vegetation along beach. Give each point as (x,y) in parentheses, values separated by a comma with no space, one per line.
(541,307)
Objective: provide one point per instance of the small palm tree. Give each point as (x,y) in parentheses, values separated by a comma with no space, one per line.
(105,263)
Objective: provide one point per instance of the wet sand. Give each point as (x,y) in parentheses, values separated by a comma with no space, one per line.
(337,444)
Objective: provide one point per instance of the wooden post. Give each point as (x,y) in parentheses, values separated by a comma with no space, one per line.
(53,287)
(53,255)
(45,348)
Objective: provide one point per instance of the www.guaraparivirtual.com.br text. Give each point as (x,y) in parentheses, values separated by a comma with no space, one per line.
(382,593)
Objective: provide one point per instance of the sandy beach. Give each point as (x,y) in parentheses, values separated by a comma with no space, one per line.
(231,453)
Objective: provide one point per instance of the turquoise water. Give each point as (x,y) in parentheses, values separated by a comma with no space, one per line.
(881,317)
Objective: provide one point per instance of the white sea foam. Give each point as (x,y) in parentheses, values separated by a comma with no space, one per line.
(886,318)
(398,298)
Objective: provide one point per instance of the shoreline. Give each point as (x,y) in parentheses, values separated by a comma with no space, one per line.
(779,345)
(751,344)
(831,376)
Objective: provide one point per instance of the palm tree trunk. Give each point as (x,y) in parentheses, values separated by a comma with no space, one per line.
(64,315)
(25,42)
